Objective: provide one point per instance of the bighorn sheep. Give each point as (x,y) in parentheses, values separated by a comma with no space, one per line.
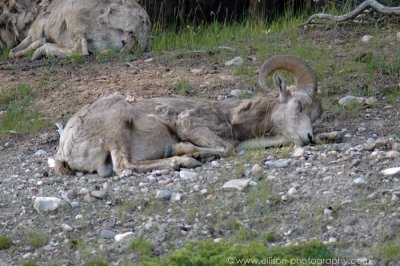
(66,27)
(112,134)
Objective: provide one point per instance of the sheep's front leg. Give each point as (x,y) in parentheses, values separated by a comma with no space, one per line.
(262,143)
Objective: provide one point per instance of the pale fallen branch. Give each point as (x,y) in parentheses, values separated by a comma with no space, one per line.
(366,4)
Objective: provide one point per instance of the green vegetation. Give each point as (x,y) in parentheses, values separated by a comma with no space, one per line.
(208,252)
(5,241)
(97,261)
(36,239)
(183,87)
(141,246)
(387,251)
(19,115)
(29,262)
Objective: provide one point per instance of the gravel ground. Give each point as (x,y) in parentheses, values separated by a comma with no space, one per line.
(332,192)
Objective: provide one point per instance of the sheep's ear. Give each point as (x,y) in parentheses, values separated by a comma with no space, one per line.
(280,85)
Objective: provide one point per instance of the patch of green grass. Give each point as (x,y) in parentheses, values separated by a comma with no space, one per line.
(392,95)
(208,252)
(97,261)
(141,246)
(5,241)
(29,262)
(105,56)
(271,236)
(78,58)
(19,115)
(244,235)
(387,251)
(4,52)
(36,239)
(183,87)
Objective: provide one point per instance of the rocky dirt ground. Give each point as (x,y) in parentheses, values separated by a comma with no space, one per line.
(335,193)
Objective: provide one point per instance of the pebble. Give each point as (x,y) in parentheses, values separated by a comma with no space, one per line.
(66,227)
(391,172)
(99,194)
(281,163)
(215,163)
(74,204)
(366,38)
(126,173)
(83,191)
(298,152)
(236,93)
(292,191)
(187,175)
(256,169)
(88,198)
(348,100)
(236,185)
(78,217)
(120,237)
(359,181)
(204,191)
(176,196)
(107,234)
(40,153)
(237,61)
(163,194)
(45,204)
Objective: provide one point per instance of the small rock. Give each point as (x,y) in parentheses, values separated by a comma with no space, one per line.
(236,185)
(256,169)
(204,191)
(148,60)
(99,194)
(348,100)
(74,204)
(196,70)
(292,192)
(366,38)
(88,198)
(66,227)
(40,153)
(332,240)
(120,237)
(187,175)
(163,194)
(281,163)
(392,172)
(392,154)
(126,173)
(78,217)
(83,191)
(395,198)
(236,93)
(371,101)
(328,211)
(107,234)
(398,36)
(215,163)
(298,152)
(359,181)
(237,61)
(176,196)
(45,204)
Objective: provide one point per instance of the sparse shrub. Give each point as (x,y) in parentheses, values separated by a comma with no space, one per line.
(97,261)
(183,87)
(208,252)
(35,239)
(78,58)
(5,241)
(141,246)
(29,262)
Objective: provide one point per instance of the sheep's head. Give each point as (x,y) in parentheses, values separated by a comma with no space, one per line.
(297,106)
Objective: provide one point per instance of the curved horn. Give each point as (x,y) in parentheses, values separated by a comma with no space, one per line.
(303,74)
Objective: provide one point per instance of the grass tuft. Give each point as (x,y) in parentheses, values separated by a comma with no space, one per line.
(141,246)
(5,241)
(18,114)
